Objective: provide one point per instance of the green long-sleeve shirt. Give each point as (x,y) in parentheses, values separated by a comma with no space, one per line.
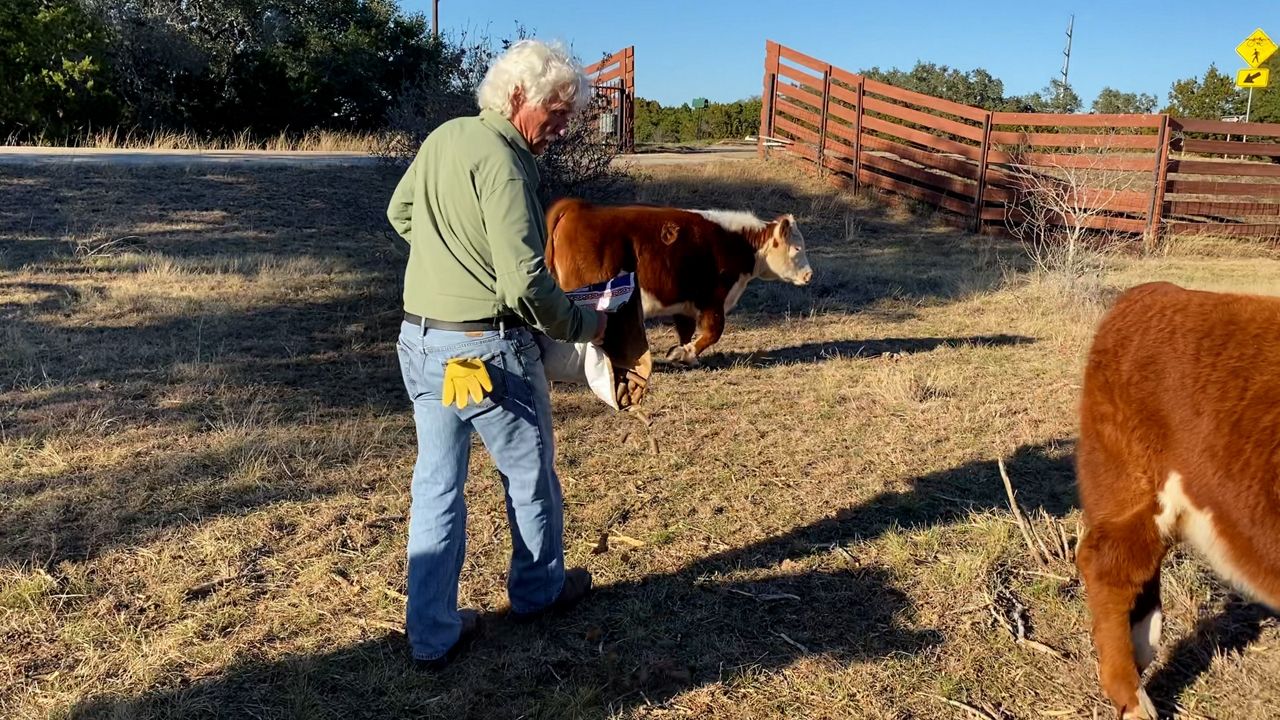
(468,208)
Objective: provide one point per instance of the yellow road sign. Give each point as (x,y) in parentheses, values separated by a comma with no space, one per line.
(1256,48)
(1253,77)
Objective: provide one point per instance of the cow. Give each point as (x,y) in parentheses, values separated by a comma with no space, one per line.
(693,265)
(1179,441)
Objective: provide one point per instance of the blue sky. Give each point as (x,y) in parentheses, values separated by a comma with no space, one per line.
(715,48)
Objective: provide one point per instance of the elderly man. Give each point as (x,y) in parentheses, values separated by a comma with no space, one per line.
(475,291)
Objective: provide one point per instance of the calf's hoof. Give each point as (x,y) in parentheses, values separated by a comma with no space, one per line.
(683,355)
(1146,710)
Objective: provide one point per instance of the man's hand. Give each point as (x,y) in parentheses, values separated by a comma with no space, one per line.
(602,321)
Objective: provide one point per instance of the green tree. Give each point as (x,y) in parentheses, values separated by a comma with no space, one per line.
(1213,96)
(656,123)
(1113,102)
(976,87)
(1057,97)
(219,66)
(51,69)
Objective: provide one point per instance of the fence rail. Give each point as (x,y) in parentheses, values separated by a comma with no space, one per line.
(1140,174)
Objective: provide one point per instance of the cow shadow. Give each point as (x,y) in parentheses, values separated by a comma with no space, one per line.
(735,614)
(817,352)
(1229,631)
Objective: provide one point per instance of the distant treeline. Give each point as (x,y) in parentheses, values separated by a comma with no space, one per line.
(655,123)
(212,67)
(226,67)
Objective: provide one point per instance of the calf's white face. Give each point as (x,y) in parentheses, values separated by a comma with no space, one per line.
(783,255)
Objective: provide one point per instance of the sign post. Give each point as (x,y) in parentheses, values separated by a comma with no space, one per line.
(1255,50)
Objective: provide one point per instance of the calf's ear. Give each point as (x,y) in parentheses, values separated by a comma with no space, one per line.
(782,227)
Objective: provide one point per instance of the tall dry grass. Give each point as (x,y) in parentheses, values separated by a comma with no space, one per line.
(136,139)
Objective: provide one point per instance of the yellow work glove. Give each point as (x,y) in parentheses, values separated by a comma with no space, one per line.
(465,379)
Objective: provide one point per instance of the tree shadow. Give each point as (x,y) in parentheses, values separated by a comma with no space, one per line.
(63,364)
(1233,629)
(737,613)
(53,216)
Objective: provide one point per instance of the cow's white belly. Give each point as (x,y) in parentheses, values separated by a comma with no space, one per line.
(654,308)
(1180,519)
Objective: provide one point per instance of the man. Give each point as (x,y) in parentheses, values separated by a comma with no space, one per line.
(476,289)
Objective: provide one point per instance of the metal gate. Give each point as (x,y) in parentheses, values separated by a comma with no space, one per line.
(614,84)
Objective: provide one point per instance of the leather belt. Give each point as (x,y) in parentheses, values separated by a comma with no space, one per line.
(507,322)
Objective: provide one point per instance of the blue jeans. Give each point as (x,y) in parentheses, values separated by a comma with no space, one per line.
(514,421)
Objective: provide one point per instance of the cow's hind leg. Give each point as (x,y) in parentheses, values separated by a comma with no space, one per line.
(1120,563)
(710,328)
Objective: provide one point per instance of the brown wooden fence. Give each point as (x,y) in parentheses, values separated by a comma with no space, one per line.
(1140,174)
(614,80)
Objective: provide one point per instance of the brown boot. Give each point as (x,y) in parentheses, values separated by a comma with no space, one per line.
(470,629)
(577,583)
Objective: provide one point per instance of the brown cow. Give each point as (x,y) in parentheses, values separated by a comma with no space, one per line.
(691,264)
(1179,440)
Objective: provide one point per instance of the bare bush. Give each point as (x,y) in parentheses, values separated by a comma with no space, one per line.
(579,164)
(1059,211)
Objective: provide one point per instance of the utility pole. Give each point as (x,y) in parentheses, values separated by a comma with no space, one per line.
(435,18)
(1066,59)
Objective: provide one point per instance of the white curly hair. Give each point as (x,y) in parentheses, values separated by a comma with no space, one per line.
(546,72)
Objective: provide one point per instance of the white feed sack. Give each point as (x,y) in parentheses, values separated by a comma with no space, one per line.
(583,363)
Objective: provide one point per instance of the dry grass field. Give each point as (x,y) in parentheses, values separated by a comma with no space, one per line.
(117,139)
(205,451)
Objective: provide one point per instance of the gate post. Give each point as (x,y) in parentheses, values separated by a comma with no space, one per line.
(861,90)
(822,122)
(766,98)
(983,152)
(629,99)
(1156,213)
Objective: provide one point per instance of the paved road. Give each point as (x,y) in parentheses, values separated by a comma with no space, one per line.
(688,157)
(96,156)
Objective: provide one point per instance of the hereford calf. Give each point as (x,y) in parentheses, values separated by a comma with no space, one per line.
(1179,440)
(691,264)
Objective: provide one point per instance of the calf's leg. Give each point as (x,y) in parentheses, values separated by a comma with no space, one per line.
(685,325)
(1120,563)
(710,328)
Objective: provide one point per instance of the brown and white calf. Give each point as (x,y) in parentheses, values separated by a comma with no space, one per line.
(690,264)
(1179,441)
